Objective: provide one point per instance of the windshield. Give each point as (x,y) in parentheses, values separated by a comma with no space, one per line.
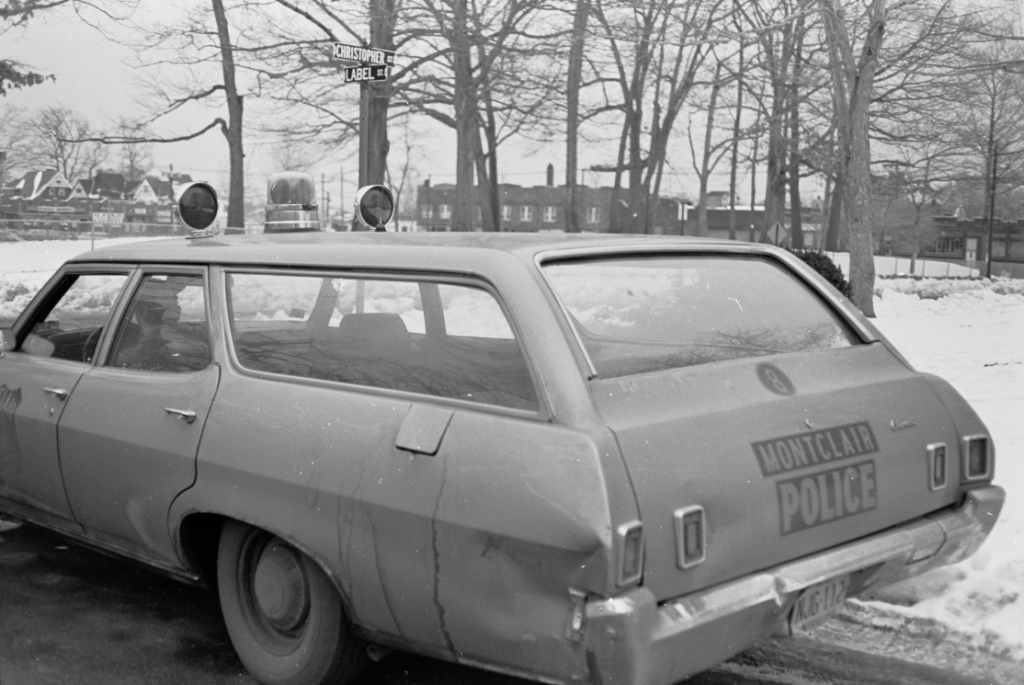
(640,314)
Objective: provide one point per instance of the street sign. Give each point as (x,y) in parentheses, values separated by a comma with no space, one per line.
(356,53)
(364,74)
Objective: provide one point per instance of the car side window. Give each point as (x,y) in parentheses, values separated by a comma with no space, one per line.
(71,327)
(164,327)
(374,332)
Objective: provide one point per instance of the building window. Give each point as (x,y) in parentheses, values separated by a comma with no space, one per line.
(479,214)
(947,245)
(444,212)
(427,212)
(526,213)
(549,215)
(593,214)
(506,213)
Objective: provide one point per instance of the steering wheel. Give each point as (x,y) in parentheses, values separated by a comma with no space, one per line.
(90,344)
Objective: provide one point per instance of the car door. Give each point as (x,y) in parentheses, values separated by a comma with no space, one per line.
(130,432)
(358,430)
(55,344)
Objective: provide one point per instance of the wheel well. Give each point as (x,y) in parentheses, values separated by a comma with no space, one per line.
(200,535)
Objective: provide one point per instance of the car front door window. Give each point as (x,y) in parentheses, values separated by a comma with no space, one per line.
(71,328)
(165,326)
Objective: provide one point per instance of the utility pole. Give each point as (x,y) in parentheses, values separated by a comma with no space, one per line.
(3,158)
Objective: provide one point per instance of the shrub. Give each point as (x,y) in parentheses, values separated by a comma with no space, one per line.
(820,262)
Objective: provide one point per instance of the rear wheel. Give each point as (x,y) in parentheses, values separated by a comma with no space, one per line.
(284,617)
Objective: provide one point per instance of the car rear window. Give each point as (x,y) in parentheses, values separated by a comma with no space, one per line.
(441,339)
(641,314)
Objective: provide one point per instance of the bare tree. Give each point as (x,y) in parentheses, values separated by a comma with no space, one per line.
(12,141)
(191,63)
(57,138)
(135,158)
(489,81)
(712,151)
(654,49)
(574,81)
(852,82)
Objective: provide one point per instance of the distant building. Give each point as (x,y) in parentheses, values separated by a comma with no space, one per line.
(539,208)
(45,199)
(108,184)
(81,189)
(750,222)
(967,239)
(49,185)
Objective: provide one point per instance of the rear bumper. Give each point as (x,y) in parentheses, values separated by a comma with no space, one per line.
(633,640)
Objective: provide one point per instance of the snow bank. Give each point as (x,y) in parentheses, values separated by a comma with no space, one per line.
(973,336)
(26,266)
(900,266)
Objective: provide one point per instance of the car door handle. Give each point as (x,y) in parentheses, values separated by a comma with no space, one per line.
(59,393)
(186,415)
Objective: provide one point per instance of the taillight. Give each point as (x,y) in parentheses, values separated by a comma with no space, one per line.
(691,542)
(631,552)
(937,477)
(977,456)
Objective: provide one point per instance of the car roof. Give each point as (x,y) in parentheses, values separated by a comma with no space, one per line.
(424,250)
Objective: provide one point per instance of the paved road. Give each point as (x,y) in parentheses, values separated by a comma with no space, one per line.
(69,615)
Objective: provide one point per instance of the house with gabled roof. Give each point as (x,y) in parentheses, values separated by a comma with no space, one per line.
(108,184)
(142,191)
(81,189)
(48,185)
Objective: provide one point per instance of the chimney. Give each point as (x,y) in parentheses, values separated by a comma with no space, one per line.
(551,175)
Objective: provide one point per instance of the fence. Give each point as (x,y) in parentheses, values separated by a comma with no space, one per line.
(57,229)
(31,246)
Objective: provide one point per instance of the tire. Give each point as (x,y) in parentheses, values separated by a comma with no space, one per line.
(283,615)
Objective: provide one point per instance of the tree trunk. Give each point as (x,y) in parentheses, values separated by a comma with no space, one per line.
(705,167)
(834,236)
(487,162)
(573,220)
(857,79)
(796,226)
(735,148)
(233,131)
(465,120)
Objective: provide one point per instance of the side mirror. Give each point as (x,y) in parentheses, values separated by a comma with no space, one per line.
(7,341)
(375,206)
(197,207)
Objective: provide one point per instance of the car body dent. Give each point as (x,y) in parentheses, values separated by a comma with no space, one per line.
(425,545)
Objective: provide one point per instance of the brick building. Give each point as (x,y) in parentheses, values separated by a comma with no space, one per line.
(539,208)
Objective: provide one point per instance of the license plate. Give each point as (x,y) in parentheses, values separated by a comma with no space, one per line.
(817,603)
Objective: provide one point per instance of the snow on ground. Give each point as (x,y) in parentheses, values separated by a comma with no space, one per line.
(900,266)
(970,332)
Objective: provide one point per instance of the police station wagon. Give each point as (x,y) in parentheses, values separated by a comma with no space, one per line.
(593,459)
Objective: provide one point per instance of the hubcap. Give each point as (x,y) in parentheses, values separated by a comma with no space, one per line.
(280,587)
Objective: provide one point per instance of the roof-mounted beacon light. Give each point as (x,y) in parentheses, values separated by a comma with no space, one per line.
(375,206)
(291,203)
(197,207)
